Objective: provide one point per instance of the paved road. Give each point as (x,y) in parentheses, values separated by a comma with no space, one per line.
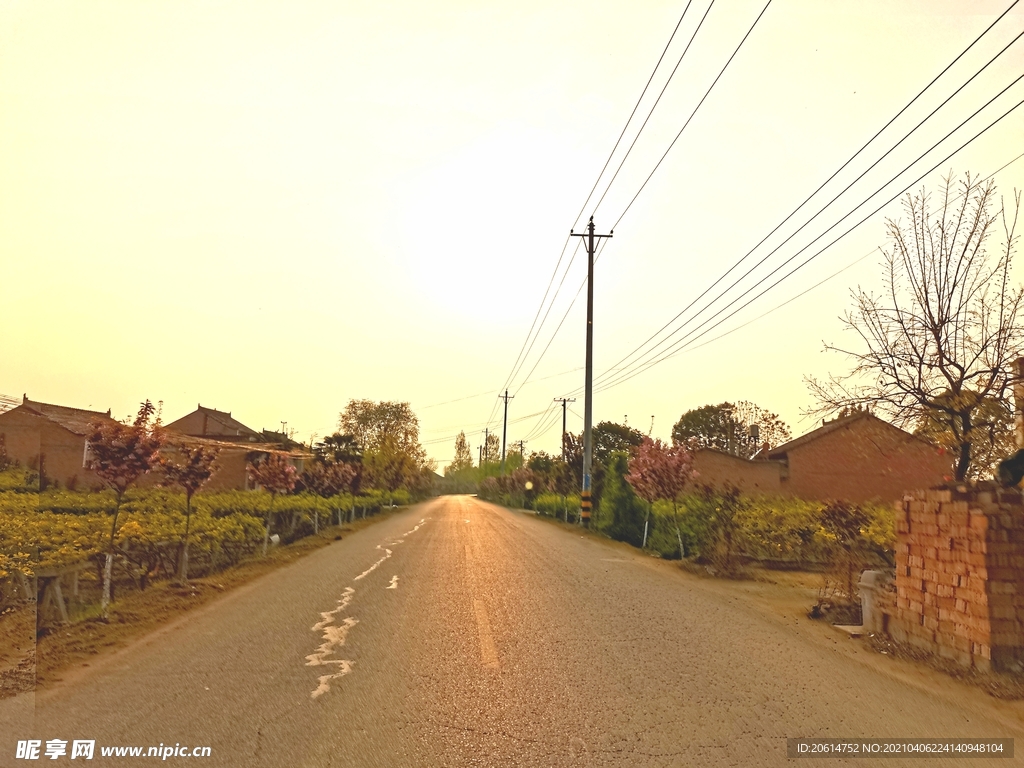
(462,634)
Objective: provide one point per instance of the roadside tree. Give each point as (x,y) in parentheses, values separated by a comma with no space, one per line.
(389,435)
(120,454)
(276,475)
(740,429)
(660,471)
(938,344)
(189,469)
(463,456)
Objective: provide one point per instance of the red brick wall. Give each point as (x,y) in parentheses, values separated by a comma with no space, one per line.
(28,436)
(751,477)
(960,576)
(864,460)
(21,435)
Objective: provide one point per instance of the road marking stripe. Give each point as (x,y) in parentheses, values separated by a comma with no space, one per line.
(373,567)
(394,583)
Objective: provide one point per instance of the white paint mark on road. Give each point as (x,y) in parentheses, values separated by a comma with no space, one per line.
(373,567)
(418,526)
(344,667)
(488,653)
(333,638)
(394,583)
(327,617)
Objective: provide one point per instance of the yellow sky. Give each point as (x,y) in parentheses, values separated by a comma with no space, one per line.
(271,208)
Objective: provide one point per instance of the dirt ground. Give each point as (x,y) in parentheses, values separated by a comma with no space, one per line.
(27,664)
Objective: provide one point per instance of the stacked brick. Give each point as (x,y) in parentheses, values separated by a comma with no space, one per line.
(960,576)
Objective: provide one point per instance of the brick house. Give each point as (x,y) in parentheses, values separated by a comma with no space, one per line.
(214,424)
(51,439)
(858,458)
(237,443)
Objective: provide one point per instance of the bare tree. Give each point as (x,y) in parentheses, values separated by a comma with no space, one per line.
(938,345)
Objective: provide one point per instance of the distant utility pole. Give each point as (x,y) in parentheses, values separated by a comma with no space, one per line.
(480,450)
(504,427)
(487,450)
(588,401)
(563,401)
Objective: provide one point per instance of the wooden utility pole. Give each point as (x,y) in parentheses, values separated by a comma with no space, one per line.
(504,428)
(563,401)
(588,399)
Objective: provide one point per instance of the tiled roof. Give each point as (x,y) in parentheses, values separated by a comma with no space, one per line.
(76,420)
(212,442)
(225,420)
(831,426)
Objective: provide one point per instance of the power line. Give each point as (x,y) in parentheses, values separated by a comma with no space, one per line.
(524,351)
(673,348)
(527,343)
(651,112)
(611,154)
(544,320)
(819,283)
(823,208)
(695,109)
(475,428)
(562,321)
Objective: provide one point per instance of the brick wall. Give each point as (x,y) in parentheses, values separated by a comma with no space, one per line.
(719,469)
(863,459)
(960,576)
(29,437)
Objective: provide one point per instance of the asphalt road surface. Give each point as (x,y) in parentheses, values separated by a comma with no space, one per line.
(461,634)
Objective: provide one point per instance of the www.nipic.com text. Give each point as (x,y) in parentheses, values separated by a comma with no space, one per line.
(34,749)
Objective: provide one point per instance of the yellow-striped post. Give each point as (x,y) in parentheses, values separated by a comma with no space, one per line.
(585,507)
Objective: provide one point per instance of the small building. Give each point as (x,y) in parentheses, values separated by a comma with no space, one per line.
(858,458)
(214,424)
(752,477)
(238,445)
(51,440)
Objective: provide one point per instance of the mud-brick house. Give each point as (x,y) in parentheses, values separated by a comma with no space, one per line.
(858,458)
(216,425)
(238,445)
(51,439)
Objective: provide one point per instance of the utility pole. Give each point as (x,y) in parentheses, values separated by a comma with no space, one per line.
(504,427)
(563,401)
(487,453)
(588,400)
(480,462)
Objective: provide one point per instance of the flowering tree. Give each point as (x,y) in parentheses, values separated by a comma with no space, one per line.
(191,469)
(120,454)
(328,478)
(276,475)
(660,471)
